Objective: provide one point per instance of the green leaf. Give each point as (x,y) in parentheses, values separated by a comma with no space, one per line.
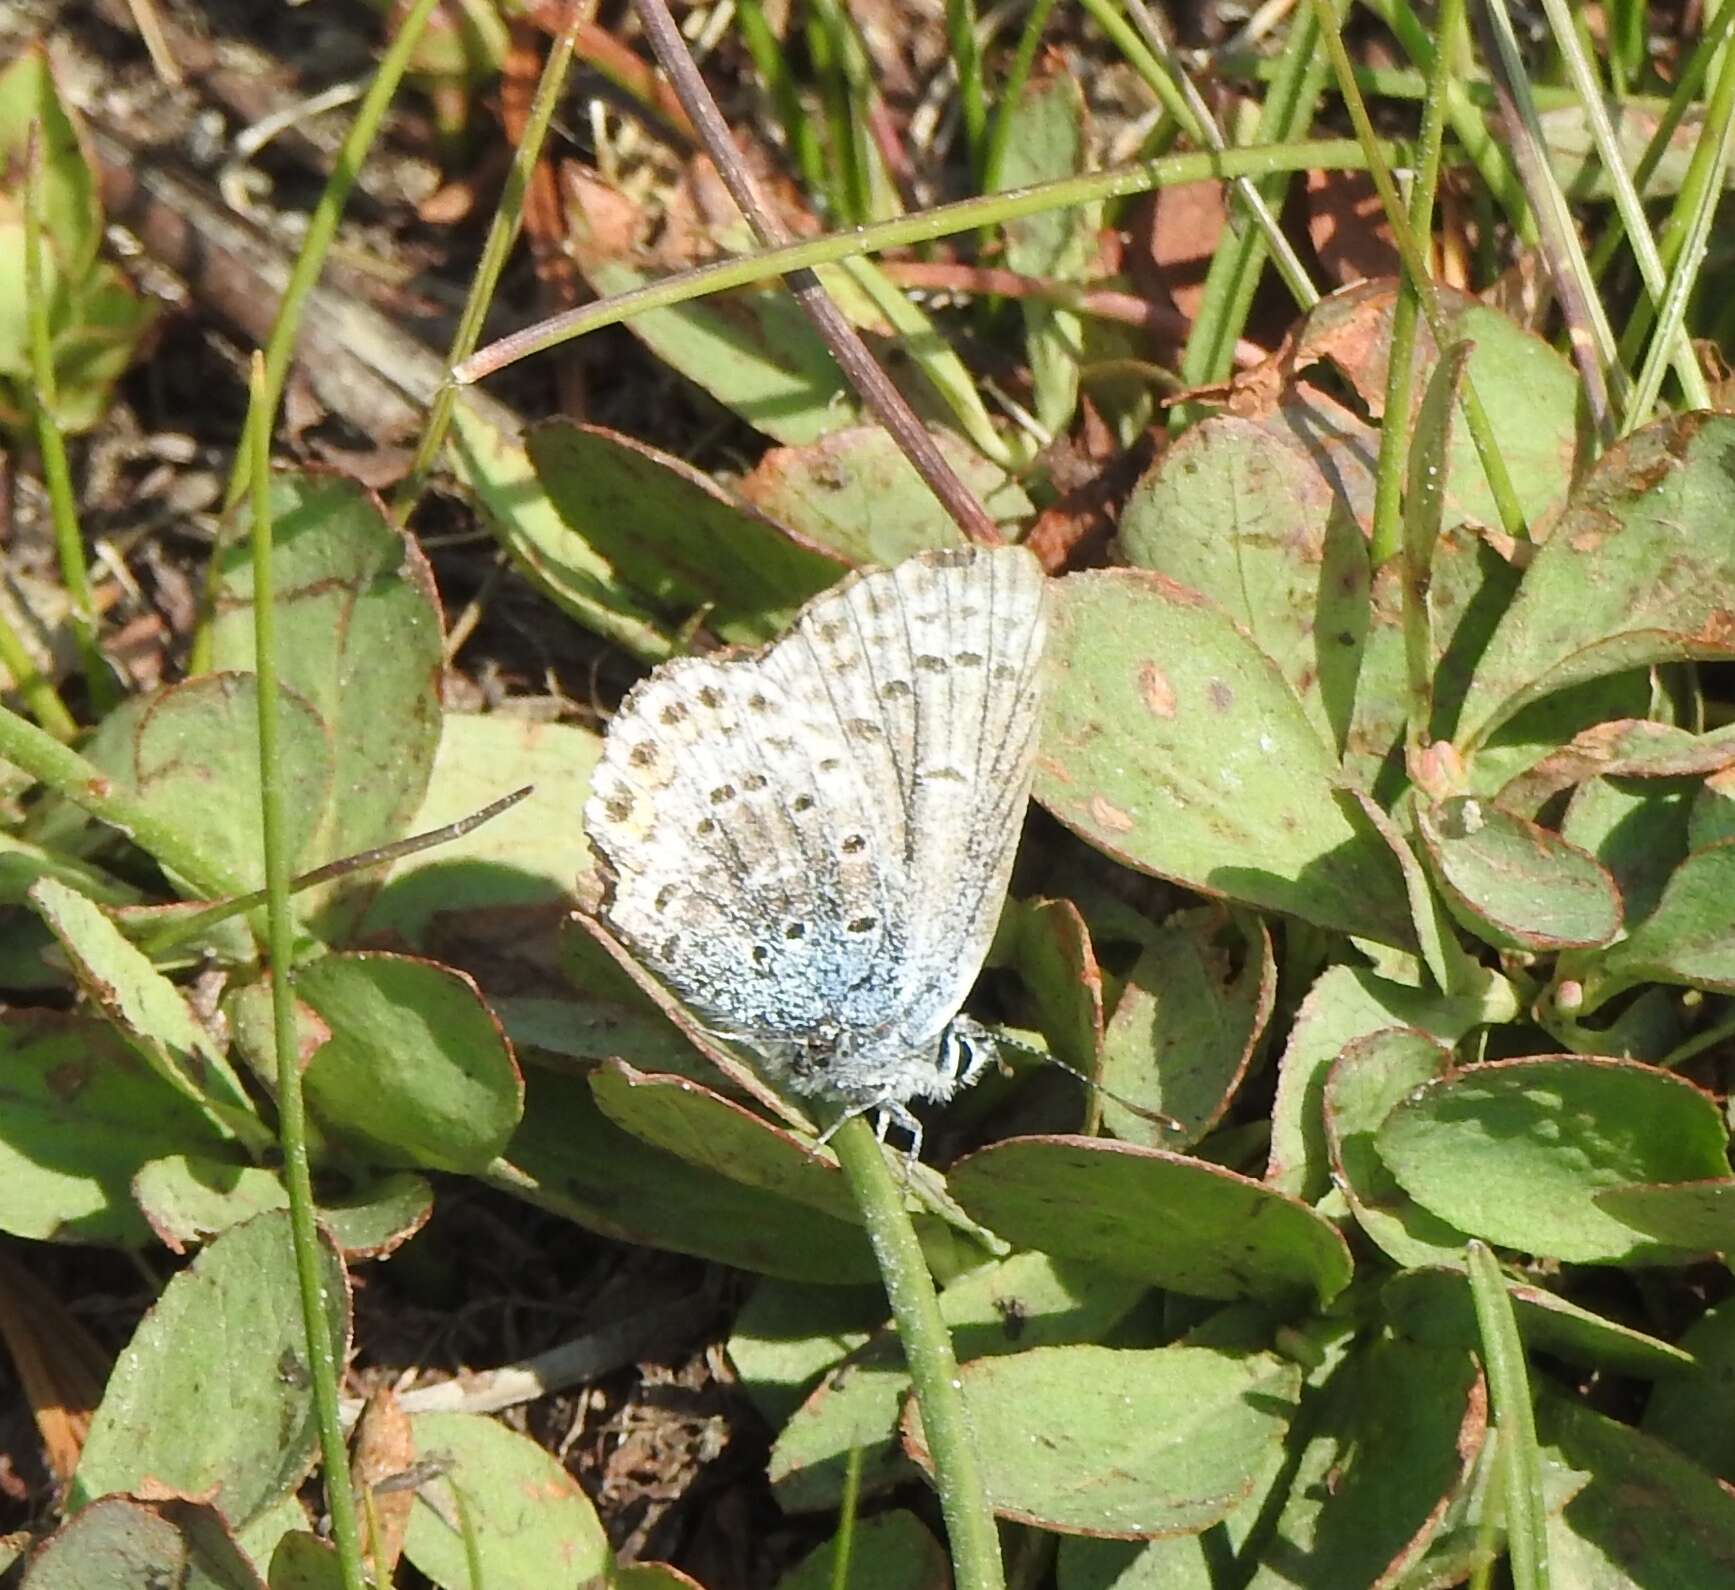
(265,1533)
(213,1396)
(855,492)
(1390,1441)
(1163,733)
(1625,748)
(1052,954)
(304,1561)
(1688,938)
(71,207)
(891,1551)
(564,1030)
(1712,819)
(1219,1235)
(1514,884)
(1047,141)
(1645,1515)
(534,1527)
(1193,1009)
(681,543)
(1025,1301)
(1264,516)
(374,1218)
(1694,1214)
(1515,1151)
(79,1117)
(1365,1081)
(1637,832)
(569,1157)
(787,1335)
(1346,1002)
(122,1543)
(1694,1409)
(495,469)
(107,322)
(752,349)
(193,762)
(1099,1441)
(147,1009)
(1530,391)
(190,1198)
(1635,572)
(1432,1306)
(528,859)
(687,1120)
(358,637)
(415,1068)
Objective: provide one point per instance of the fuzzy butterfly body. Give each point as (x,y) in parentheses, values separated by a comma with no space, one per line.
(810,844)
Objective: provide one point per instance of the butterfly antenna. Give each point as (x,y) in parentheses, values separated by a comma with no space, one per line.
(1048,1057)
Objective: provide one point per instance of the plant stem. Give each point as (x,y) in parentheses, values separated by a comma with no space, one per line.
(858,365)
(291,1113)
(56,474)
(1416,266)
(1627,204)
(1509,1391)
(495,248)
(321,229)
(34,685)
(1715,142)
(1400,362)
(967,215)
(975,1541)
(63,770)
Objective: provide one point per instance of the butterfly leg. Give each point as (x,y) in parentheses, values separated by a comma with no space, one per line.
(890,1113)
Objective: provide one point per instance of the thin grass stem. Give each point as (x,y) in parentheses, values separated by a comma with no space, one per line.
(309,262)
(56,473)
(502,232)
(280,929)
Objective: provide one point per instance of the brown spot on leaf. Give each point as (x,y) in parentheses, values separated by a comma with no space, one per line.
(1718,630)
(1220,695)
(67,1081)
(1105,814)
(1158,693)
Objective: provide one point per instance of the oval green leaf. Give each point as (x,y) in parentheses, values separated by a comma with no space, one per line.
(212,1397)
(568,1156)
(1186,1024)
(1515,1151)
(1637,570)
(1432,1306)
(534,1527)
(1390,1440)
(855,492)
(1688,938)
(1173,744)
(1024,1301)
(1365,1081)
(1171,1221)
(1264,516)
(79,1116)
(359,638)
(1127,1444)
(416,1068)
(1515,884)
(678,540)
